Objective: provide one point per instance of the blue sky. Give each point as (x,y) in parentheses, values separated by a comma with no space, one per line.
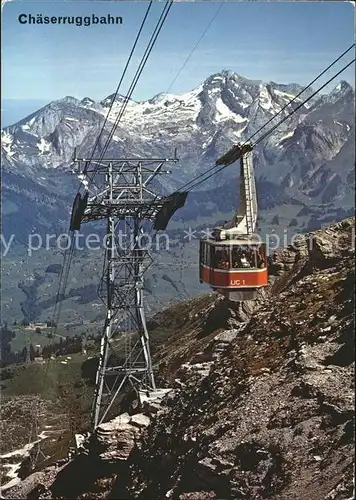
(280,41)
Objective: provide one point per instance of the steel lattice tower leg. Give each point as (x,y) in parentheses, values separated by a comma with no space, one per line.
(125,201)
(104,343)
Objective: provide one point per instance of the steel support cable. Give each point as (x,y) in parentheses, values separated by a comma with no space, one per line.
(273,117)
(60,295)
(63,273)
(59,301)
(63,280)
(195,46)
(64,285)
(60,284)
(142,64)
(302,104)
(119,85)
(301,92)
(56,313)
(213,169)
(195,184)
(127,97)
(139,70)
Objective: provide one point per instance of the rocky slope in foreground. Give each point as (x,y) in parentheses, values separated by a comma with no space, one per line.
(260,407)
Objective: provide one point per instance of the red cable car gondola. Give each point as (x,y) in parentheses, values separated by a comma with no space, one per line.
(233,260)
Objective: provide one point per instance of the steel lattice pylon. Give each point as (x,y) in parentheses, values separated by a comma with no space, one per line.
(124,198)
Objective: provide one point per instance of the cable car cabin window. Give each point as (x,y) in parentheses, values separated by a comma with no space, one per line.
(221,258)
(204,253)
(201,252)
(245,257)
(261,256)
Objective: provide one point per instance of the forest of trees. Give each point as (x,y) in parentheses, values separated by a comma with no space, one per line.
(6,337)
(62,347)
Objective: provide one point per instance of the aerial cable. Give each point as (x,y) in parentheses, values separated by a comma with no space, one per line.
(248,140)
(60,293)
(63,286)
(302,104)
(273,128)
(59,301)
(213,168)
(139,70)
(56,313)
(63,279)
(215,171)
(142,64)
(134,82)
(196,45)
(67,262)
(119,85)
(301,92)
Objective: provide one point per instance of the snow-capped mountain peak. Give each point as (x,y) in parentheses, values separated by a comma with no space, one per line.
(202,123)
(107,102)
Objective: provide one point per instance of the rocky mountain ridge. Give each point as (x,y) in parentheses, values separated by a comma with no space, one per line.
(305,170)
(262,395)
(202,124)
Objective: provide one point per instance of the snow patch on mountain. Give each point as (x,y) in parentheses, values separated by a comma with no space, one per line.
(7,140)
(223,112)
(31,121)
(286,95)
(282,139)
(202,124)
(116,138)
(44,146)
(238,133)
(244,104)
(265,98)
